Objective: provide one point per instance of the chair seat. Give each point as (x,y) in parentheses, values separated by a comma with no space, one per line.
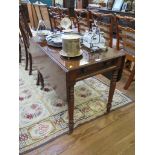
(128,51)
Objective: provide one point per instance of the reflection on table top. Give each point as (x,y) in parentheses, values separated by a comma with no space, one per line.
(87,58)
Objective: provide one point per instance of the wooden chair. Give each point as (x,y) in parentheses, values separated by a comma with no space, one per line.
(22,17)
(22,54)
(56,17)
(45,16)
(32,16)
(42,12)
(105,23)
(38,12)
(24,35)
(25,46)
(82,20)
(33,54)
(38,60)
(126,42)
(64,12)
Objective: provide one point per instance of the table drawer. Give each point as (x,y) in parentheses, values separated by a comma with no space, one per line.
(89,70)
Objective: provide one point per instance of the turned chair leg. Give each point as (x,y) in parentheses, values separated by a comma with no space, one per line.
(30,59)
(131,77)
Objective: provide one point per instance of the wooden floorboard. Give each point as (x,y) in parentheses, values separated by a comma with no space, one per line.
(111,134)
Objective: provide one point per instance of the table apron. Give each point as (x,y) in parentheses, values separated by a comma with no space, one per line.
(97,72)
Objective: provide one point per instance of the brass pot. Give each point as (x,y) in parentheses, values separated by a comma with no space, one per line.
(71,45)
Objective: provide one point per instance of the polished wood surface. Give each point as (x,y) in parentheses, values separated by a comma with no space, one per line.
(86,59)
(88,65)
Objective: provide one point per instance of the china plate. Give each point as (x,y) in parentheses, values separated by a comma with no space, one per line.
(51,43)
(65,23)
(64,54)
(54,40)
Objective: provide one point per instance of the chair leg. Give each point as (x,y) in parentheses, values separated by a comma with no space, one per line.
(128,64)
(38,79)
(42,81)
(27,57)
(131,77)
(20,54)
(30,69)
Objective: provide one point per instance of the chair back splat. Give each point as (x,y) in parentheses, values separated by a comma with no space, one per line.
(24,21)
(105,23)
(24,30)
(42,13)
(126,42)
(55,16)
(82,19)
(125,34)
(23,38)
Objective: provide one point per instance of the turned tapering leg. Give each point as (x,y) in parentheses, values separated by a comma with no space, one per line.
(70,98)
(112,89)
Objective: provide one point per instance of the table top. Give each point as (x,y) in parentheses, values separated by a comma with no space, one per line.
(86,59)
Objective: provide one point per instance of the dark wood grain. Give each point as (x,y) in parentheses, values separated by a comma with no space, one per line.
(112,89)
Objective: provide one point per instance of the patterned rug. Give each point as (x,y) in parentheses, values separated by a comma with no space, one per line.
(42,119)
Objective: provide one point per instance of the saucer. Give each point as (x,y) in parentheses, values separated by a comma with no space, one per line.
(64,54)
